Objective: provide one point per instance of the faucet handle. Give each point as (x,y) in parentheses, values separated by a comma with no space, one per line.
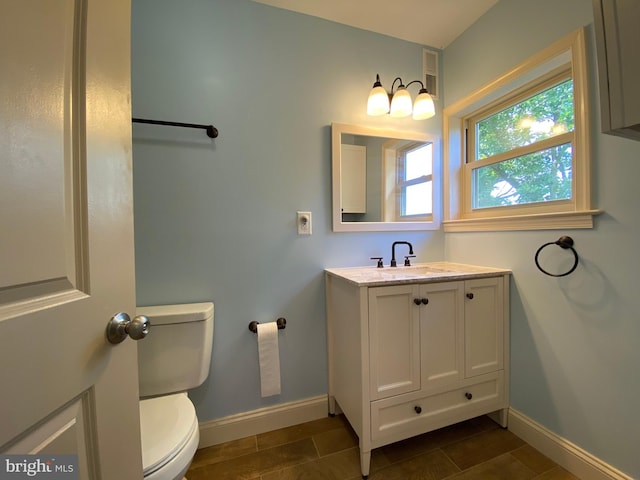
(407,262)
(379,261)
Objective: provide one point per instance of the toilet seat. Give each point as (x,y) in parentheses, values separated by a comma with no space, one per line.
(169,432)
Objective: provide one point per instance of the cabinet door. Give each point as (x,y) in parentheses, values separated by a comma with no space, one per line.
(394,340)
(441,333)
(484,326)
(617,37)
(353,177)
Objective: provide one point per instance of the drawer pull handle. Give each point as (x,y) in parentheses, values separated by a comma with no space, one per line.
(470,296)
(417,301)
(418,409)
(425,301)
(468,396)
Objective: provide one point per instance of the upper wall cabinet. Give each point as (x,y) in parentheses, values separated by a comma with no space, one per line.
(617,39)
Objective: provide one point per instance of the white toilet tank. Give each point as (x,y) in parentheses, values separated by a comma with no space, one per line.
(176,354)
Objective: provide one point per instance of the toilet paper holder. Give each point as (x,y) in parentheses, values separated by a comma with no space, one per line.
(281,322)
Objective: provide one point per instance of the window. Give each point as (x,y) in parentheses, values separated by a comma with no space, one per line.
(518,155)
(415,181)
(408,181)
(521,153)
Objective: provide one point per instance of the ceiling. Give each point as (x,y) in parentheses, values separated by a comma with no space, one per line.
(434,23)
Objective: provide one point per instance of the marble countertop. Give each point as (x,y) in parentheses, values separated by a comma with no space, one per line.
(419,273)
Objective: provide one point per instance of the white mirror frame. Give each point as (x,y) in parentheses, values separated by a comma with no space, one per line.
(337,130)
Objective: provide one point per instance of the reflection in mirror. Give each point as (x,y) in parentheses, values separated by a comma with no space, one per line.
(384,180)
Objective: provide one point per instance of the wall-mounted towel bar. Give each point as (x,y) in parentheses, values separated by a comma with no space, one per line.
(212,132)
(563,242)
(281,322)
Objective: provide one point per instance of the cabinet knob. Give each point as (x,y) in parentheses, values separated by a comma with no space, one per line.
(468,395)
(417,301)
(425,301)
(470,296)
(418,409)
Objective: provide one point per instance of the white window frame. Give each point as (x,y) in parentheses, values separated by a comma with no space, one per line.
(568,53)
(394,194)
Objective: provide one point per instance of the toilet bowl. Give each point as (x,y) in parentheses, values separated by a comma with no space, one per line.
(169,430)
(175,356)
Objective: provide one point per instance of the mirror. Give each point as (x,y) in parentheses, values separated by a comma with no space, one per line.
(384,180)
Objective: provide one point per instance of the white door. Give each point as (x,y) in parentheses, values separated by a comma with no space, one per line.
(66,234)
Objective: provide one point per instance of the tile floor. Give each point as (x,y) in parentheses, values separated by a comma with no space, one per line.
(327,449)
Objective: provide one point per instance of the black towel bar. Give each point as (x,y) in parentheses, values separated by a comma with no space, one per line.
(212,132)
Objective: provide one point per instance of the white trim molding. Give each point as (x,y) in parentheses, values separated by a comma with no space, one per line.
(459,213)
(263,420)
(565,453)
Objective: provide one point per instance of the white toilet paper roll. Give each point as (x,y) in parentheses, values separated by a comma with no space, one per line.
(269,356)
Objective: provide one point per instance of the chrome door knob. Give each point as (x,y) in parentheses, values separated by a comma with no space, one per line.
(120,326)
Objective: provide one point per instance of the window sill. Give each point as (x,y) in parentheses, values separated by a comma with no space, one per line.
(543,221)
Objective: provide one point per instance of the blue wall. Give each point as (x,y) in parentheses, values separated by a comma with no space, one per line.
(215,220)
(574,340)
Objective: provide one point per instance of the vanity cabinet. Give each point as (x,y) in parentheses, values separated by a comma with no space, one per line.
(408,358)
(353,171)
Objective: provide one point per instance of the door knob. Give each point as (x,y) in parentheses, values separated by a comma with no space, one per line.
(121,325)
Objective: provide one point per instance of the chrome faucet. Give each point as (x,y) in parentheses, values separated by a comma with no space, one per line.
(393,252)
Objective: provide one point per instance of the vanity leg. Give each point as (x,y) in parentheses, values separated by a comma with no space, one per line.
(365,461)
(501,417)
(332,406)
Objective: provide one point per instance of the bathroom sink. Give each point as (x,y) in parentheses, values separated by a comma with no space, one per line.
(423,272)
(418,271)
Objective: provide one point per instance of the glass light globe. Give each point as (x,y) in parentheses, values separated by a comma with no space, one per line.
(423,107)
(401,103)
(378,103)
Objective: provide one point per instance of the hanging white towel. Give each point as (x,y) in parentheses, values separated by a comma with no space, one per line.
(269,357)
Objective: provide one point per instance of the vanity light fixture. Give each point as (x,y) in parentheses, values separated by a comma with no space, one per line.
(398,104)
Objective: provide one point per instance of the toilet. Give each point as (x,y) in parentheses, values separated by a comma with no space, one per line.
(174,357)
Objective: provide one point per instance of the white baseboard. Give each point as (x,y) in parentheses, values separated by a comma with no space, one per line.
(262,420)
(566,454)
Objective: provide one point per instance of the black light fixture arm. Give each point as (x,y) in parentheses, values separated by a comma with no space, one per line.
(422,87)
(399,86)
(212,132)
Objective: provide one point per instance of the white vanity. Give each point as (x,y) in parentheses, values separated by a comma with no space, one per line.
(413,349)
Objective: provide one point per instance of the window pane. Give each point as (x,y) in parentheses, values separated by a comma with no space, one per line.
(544,115)
(538,177)
(418,162)
(418,199)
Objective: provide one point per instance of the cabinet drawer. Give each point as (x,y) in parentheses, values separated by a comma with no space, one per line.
(407,415)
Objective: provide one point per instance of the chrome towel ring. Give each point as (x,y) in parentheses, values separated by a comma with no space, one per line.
(564,242)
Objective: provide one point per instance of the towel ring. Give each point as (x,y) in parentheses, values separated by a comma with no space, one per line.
(563,242)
